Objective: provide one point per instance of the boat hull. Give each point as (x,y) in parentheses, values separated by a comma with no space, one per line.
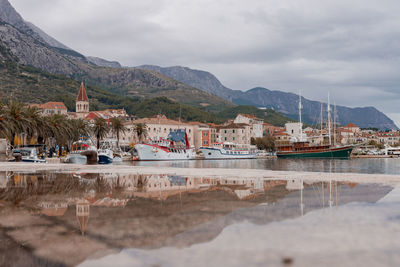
(105,159)
(76,159)
(340,153)
(215,153)
(149,153)
(34,160)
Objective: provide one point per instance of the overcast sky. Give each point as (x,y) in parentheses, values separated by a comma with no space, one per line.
(349,48)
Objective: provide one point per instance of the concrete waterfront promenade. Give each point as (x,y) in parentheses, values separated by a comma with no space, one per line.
(204,172)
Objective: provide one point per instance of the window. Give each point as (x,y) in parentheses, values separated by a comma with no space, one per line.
(224,131)
(225,138)
(233,131)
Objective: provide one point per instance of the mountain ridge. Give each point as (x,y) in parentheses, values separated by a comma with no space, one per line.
(283,102)
(30,49)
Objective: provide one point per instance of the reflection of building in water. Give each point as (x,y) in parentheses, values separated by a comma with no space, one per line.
(53,209)
(4,178)
(22,180)
(82,214)
(159,185)
(294,184)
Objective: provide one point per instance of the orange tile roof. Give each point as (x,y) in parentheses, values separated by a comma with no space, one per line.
(251,116)
(53,105)
(82,96)
(351,125)
(233,126)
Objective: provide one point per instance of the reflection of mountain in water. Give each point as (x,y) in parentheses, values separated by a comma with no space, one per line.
(125,211)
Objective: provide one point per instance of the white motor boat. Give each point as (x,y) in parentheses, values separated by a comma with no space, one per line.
(226,151)
(80,152)
(28,154)
(175,147)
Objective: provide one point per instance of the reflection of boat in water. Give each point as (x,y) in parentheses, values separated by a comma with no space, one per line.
(80,152)
(28,154)
(226,151)
(175,147)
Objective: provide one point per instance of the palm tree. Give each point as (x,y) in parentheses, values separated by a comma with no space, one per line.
(141,130)
(2,122)
(118,127)
(14,120)
(100,130)
(34,123)
(59,128)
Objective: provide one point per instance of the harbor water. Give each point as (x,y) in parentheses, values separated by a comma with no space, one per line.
(357,165)
(53,215)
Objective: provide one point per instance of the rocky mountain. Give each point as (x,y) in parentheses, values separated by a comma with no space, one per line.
(196,78)
(287,103)
(9,15)
(29,48)
(283,102)
(103,62)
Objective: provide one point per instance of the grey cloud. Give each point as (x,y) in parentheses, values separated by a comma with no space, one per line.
(350,48)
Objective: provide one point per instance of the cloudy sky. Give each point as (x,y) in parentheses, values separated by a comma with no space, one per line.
(348,48)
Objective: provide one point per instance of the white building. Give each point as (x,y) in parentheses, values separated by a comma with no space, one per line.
(255,123)
(294,129)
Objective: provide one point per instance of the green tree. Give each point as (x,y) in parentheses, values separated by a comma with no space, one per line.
(118,127)
(265,143)
(100,130)
(140,130)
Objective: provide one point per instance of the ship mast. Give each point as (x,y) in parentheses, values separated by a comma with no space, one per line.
(301,125)
(321,125)
(334,123)
(329,120)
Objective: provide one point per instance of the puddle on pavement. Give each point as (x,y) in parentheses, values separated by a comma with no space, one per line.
(53,219)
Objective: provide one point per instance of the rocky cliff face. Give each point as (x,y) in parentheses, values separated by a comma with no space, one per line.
(9,15)
(286,103)
(30,51)
(29,48)
(103,63)
(196,78)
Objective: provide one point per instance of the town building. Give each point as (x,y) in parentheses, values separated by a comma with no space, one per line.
(157,127)
(255,123)
(294,129)
(237,133)
(82,103)
(51,108)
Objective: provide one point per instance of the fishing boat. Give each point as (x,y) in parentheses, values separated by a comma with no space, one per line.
(175,147)
(302,149)
(110,152)
(28,154)
(80,152)
(226,150)
(106,156)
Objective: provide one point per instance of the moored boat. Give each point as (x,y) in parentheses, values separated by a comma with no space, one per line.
(105,155)
(303,150)
(226,151)
(175,147)
(80,152)
(28,154)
